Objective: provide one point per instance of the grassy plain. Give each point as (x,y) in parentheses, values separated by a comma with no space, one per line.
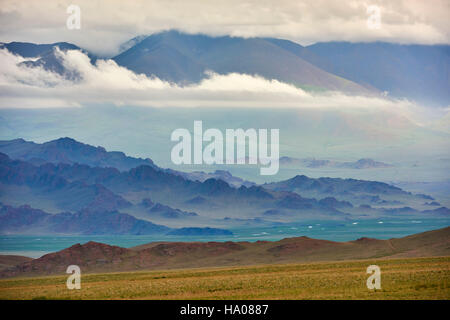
(412,278)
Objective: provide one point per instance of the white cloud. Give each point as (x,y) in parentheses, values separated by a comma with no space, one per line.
(107,23)
(22,86)
(13,72)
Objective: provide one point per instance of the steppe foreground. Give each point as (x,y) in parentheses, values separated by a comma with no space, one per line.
(412,278)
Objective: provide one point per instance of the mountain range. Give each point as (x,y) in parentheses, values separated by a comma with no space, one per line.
(62,191)
(319,163)
(67,150)
(415,72)
(27,220)
(183,58)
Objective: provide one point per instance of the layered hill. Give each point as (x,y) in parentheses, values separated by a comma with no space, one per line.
(98,257)
(76,187)
(58,177)
(27,220)
(358,192)
(39,182)
(70,151)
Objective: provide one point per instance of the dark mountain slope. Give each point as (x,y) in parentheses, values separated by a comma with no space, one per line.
(41,181)
(32,50)
(168,212)
(184,58)
(26,220)
(74,187)
(46,55)
(418,72)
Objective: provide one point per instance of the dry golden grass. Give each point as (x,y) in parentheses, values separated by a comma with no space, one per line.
(418,278)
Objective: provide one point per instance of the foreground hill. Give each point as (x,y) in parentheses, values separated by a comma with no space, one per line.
(98,257)
(8,261)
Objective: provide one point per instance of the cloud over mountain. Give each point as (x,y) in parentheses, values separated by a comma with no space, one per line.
(105,82)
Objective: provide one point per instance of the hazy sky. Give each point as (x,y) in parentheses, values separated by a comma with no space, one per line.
(107,24)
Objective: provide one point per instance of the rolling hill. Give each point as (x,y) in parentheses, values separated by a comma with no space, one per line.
(8,261)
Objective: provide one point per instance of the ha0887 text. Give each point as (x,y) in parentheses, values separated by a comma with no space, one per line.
(246,309)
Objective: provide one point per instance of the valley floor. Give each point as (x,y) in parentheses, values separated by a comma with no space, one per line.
(412,278)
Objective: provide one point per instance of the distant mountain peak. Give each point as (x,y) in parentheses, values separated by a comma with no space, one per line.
(66,141)
(70,151)
(298,179)
(364,163)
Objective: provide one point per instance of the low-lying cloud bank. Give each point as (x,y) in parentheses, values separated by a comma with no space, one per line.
(23,86)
